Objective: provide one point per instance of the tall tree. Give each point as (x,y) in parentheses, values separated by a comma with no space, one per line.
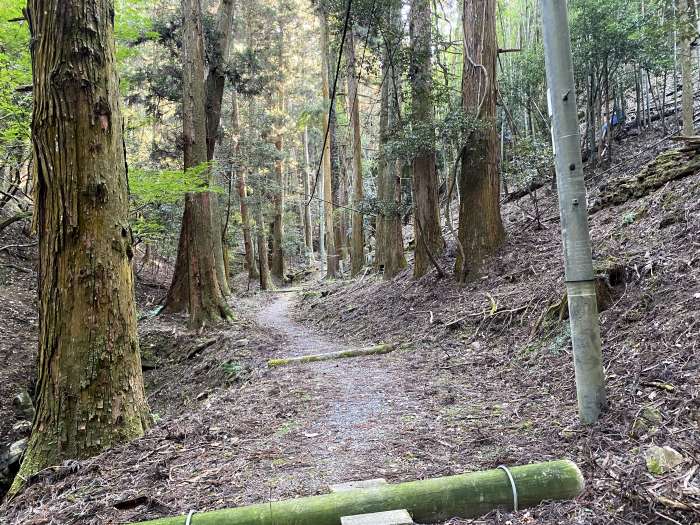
(197,281)
(308,226)
(278,268)
(242,191)
(332,263)
(90,392)
(480,226)
(215,82)
(216,77)
(357,255)
(390,252)
(426,210)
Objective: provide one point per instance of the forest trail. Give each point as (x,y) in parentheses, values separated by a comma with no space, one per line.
(360,394)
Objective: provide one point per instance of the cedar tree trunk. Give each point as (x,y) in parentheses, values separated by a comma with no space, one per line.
(480,227)
(90,394)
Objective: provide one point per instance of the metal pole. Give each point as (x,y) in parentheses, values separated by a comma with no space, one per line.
(580,282)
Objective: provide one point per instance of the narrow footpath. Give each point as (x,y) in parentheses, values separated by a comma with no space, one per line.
(362,397)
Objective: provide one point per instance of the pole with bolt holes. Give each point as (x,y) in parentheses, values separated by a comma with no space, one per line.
(580,281)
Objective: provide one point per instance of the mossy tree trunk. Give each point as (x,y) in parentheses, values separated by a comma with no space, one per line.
(426,211)
(199,282)
(90,394)
(480,226)
(357,256)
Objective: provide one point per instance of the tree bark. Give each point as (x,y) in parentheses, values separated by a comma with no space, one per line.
(278,266)
(480,227)
(308,226)
(216,78)
(263,256)
(199,280)
(332,263)
(390,170)
(426,210)
(357,256)
(90,393)
(215,81)
(242,191)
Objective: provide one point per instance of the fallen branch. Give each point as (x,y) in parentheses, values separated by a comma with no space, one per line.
(428,501)
(15,218)
(374,350)
(202,346)
(29,245)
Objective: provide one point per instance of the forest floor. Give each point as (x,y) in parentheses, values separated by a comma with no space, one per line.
(483,376)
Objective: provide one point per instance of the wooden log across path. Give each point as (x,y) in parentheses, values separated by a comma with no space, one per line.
(373,350)
(428,501)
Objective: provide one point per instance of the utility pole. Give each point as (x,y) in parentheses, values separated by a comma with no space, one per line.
(580,282)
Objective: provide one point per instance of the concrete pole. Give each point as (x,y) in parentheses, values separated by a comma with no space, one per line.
(580,282)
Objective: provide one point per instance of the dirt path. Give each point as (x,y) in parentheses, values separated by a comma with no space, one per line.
(360,395)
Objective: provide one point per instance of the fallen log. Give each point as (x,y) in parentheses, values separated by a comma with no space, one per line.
(373,350)
(428,501)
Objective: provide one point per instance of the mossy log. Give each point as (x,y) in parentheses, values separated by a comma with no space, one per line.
(428,501)
(669,165)
(373,350)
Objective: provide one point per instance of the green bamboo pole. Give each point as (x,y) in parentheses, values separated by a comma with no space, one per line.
(374,350)
(428,501)
(578,263)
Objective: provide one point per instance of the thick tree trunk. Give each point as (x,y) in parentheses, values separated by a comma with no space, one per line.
(90,394)
(390,253)
(480,227)
(215,82)
(426,210)
(332,257)
(216,78)
(278,269)
(199,280)
(278,265)
(357,257)
(380,218)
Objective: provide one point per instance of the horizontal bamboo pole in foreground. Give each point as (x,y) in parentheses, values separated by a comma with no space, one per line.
(428,501)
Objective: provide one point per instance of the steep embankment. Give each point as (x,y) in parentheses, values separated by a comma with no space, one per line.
(485,377)
(507,331)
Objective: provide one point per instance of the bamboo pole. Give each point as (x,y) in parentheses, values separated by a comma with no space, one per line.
(374,350)
(428,501)
(580,280)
